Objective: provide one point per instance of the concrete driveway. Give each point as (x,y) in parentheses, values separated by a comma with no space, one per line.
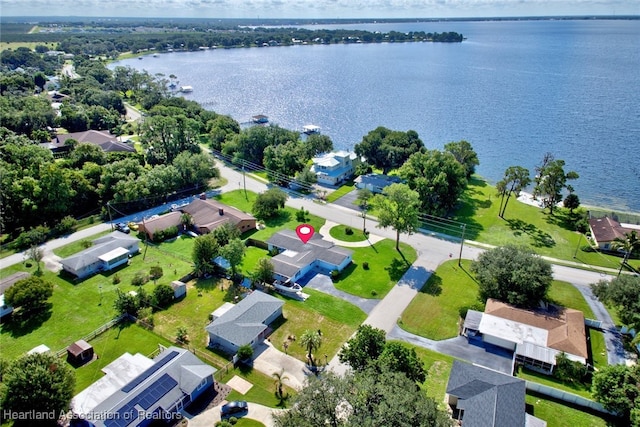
(211,416)
(323,283)
(269,360)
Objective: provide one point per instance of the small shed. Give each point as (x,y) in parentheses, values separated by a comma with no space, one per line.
(79,352)
(179,289)
(39,349)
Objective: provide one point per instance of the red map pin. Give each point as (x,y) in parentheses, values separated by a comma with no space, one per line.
(305,232)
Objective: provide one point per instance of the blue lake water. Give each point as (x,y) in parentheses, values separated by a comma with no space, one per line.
(514,89)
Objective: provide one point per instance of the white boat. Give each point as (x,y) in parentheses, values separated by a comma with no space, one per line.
(310,129)
(291,288)
(186,89)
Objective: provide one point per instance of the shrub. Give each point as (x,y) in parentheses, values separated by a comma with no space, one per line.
(32,237)
(116,279)
(335,274)
(182,336)
(163,295)
(245,352)
(139,279)
(365,265)
(348,231)
(66,225)
(155,272)
(301,215)
(145,315)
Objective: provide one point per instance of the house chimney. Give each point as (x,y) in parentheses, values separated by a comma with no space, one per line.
(221,211)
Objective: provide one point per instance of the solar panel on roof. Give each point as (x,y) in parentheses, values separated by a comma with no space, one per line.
(156,391)
(150,371)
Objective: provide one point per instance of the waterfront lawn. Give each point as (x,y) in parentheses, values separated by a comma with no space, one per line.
(386,267)
(336,318)
(434,313)
(340,232)
(525,224)
(78,308)
(124,337)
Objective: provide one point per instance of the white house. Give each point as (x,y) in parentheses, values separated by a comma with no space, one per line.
(335,167)
(107,253)
(535,336)
(5,284)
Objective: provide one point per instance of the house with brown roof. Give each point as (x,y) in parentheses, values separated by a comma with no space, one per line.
(535,336)
(102,138)
(206,216)
(210,214)
(605,230)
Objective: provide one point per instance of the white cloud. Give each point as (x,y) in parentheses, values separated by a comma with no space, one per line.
(318,8)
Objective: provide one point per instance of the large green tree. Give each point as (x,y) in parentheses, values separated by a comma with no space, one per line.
(617,387)
(438,178)
(205,249)
(364,399)
(464,154)
(515,179)
(387,149)
(233,252)
(551,180)
(38,383)
(364,348)
(29,295)
(398,208)
(397,357)
(269,203)
(623,292)
(512,274)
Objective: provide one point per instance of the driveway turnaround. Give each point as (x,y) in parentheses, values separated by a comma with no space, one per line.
(323,283)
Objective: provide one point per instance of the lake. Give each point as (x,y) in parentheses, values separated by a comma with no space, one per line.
(514,89)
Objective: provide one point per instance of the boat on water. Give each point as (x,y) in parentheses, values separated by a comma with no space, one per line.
(186,89)
(260,119)
(311,129)
(287,287)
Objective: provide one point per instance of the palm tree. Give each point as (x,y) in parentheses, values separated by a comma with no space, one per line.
(311,340)
(280,377)
(186,220)
(628,244)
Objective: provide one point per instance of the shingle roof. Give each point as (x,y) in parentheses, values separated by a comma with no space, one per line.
(9,281)
(162,222)
(78,347)
(102,138)
(245,321)
(606,229)
(488,398)
(207,214)
(100,246)
(300,255)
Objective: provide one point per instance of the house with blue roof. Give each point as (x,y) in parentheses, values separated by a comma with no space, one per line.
(137,391)
(246,322)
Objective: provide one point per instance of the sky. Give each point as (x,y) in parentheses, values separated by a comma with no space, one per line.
(317,9)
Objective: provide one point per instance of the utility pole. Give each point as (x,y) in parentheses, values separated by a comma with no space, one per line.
(110,219)
(464,227)
(364,219)
(244,180)
(577,247)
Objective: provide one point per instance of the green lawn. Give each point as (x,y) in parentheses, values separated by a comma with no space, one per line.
(336,318)
(386,267)
(560,415)
(524,224)
(251,257)
(78,308)
(263,390)
(438,367)
(125,337)
(344,189)
(340,232)
(435,312)
(579,389)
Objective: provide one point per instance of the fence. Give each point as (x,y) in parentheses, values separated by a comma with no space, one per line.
(102,329)
(567,397)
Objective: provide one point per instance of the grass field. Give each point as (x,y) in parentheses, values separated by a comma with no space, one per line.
(386,267)
(340,232)
(341,191)
(549,235)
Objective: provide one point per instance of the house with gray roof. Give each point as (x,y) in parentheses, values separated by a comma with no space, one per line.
(295,258)
(104,139)
(106,253)
(138,391)
(376,182)
(6,283)
(480,397)
(247,322)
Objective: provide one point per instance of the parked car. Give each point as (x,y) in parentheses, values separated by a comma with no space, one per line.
(133,226)
(121,226)
(234,408)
